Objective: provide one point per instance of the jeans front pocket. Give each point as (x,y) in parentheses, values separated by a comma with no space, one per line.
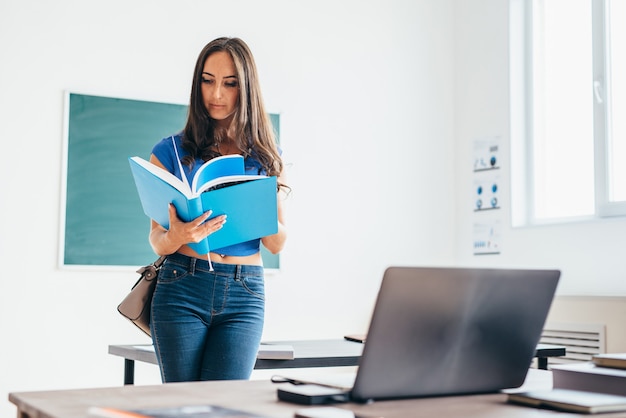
(172,272)
(255,286)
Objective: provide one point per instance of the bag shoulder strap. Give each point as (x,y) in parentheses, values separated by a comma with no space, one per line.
(151,269)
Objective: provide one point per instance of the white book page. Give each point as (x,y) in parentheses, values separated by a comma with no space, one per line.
(180,166)
(165,176)
(228,179)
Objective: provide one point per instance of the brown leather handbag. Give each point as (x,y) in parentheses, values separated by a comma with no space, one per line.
(136,305)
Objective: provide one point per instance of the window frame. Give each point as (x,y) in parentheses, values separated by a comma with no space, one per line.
(521,102)
(602,114)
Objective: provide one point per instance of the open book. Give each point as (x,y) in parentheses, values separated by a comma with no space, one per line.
(220,185)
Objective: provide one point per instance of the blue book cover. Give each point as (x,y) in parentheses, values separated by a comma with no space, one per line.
(249,201)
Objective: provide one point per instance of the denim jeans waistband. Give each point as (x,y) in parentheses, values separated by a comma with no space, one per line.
(201,264)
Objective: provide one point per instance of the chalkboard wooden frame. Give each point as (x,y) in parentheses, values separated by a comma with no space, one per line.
(103,224)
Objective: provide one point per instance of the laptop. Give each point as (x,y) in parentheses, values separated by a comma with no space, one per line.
(448,331)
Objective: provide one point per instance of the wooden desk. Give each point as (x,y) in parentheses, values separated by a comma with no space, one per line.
(311,353)
(260,397)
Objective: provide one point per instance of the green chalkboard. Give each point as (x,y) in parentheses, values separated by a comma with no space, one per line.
(104,224)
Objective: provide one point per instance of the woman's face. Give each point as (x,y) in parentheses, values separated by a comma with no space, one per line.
(220,87)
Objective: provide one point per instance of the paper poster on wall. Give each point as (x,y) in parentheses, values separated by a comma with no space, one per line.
(486,196)
(487,237)
(486,154)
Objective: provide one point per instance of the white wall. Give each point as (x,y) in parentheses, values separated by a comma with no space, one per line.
(365,89)
(590,254)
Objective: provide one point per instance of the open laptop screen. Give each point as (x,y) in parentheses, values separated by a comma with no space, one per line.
(443,331)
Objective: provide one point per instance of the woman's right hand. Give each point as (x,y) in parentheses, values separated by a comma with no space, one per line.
(195,230)
(168,241)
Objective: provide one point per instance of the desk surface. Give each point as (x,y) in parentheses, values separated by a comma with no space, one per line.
(260,397)
(307,353)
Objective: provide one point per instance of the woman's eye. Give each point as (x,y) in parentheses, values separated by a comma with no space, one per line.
(232,84)
(206,81)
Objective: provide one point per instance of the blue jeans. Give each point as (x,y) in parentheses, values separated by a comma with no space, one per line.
(207,325)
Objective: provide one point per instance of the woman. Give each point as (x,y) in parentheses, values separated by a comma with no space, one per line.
(207,313)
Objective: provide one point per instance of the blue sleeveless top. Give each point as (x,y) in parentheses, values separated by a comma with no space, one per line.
(164,152)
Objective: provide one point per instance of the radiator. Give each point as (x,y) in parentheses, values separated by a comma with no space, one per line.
(581,340)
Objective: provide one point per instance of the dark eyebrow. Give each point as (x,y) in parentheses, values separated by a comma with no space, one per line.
(209,74)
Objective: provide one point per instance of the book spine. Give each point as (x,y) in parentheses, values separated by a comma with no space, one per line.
(194,207)
(589,382)
(608,362)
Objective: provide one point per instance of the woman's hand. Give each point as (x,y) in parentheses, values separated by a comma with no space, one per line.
(195,230)
(180,233)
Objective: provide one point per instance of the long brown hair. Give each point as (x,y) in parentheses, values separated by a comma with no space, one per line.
(251,128)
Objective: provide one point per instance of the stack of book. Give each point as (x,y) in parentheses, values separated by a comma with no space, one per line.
(590,387)
(605,373)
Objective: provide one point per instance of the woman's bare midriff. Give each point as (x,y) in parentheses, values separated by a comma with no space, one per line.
(251,260)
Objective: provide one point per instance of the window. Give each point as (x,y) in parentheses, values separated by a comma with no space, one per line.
(568,152)
(616,105)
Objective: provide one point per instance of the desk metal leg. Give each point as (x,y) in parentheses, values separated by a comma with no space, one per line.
(22,414)
(542,363)
(129,371)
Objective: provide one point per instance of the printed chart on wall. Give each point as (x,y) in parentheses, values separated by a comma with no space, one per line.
(486,194)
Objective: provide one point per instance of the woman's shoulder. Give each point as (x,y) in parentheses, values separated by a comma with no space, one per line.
(166,145)
(165,151)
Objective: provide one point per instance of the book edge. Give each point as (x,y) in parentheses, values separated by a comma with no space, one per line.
(194,181)
(227,179)
(268,351)
(534,399)
(163,175)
